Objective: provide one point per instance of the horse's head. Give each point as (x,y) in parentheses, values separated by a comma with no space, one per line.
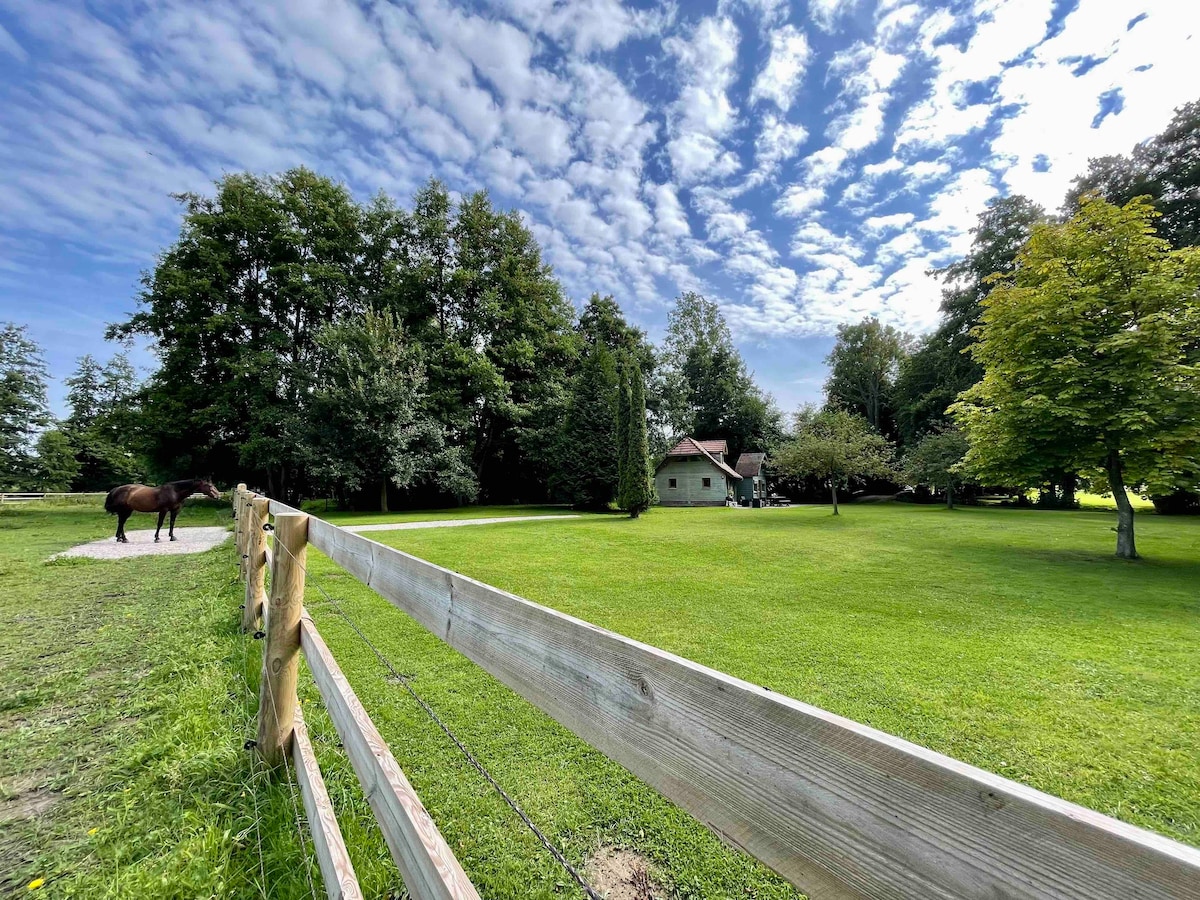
(207,488)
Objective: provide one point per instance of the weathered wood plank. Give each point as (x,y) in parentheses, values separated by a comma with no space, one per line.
(429,867)
(337,871)
(836,807)
(281,622)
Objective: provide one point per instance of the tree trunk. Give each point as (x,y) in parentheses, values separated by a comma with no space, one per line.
(633,513)
(1116,482)
(1068,491)
(833,489)
(383,507)
(949,496)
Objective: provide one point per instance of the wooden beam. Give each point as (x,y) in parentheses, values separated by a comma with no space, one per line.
(239,528)
(277,688)
(429,867)
(836,807)
(256,558)
(337,871)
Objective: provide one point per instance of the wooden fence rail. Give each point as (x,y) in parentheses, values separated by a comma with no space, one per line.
(836,807)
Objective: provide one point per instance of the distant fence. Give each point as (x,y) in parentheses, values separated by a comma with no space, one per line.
(25,496)
(839,809)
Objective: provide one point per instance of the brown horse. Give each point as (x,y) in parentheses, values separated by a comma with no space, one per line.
(127,499)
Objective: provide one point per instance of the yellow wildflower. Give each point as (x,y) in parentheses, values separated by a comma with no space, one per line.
(36,883)
(92,831)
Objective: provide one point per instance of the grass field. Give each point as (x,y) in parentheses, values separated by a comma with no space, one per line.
(1007,638)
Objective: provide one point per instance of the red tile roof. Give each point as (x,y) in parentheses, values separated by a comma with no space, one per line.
(692,447)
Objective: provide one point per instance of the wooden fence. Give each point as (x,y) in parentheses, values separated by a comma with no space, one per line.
(839,809)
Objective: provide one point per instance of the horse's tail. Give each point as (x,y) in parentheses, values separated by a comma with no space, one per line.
(113,499)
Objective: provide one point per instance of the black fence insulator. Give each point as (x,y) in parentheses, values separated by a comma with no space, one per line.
(267,526)
(259,635)
(245,556)
(250,744)
(242,606)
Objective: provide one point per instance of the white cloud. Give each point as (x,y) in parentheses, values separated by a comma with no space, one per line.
(798,200)
(881,224)
(703,114)
(780,77)
(9,45)
(827,13)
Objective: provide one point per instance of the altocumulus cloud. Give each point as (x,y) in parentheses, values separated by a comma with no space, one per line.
(803,164)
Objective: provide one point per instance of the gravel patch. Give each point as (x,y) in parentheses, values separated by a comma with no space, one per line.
(450,523)
(141,543)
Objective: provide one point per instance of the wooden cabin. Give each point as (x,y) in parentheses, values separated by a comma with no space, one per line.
(694,473)
(753,486)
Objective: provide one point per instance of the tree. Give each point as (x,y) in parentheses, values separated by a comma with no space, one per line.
(23,411)
(55,467)
(103,425)
(836,447)
(936,461)
(368,428)
(587,473)
(636,491)
(1090,353)
(940,367)
(706,389)
(1165,168)
(862,370)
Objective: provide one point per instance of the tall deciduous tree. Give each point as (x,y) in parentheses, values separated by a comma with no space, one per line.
(23,410)
(55,467)
(707,391)
(836,447)
(368,428)
(1091,357)
(940,368)
(636,492)
(936,461)
(862,370)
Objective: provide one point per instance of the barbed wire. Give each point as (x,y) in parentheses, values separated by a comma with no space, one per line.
(404,681)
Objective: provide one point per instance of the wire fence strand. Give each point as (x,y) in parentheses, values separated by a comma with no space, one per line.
(405,682)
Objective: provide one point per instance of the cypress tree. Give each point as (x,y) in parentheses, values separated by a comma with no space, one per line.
(635,494)
(591,451)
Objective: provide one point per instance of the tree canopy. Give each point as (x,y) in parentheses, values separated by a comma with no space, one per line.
(936,460)
(1090,354)
(863,366)
(23,410)
(836,447)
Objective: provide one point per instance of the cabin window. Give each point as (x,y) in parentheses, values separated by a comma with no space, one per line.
(671,483)
(707,482)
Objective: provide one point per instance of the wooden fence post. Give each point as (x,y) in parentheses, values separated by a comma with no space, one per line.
(277,689)
(256,551)
(239,527)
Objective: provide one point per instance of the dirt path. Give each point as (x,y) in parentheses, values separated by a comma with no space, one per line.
(450,523)
(141,543)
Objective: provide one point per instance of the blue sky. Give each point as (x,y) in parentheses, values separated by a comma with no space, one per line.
(802,163)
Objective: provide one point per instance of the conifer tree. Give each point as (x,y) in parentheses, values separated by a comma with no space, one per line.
(635,493)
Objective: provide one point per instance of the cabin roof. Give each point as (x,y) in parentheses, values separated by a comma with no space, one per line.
(692,447)
(750,464)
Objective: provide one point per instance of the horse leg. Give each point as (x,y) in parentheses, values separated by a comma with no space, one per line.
(171,529)
(162,514)
(121,518)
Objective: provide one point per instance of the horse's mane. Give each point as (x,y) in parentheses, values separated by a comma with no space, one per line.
(184,482)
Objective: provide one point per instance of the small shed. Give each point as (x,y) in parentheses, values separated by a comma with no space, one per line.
(694,473)
(753,485)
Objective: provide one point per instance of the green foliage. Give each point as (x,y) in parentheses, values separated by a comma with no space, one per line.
(236,303)
(635,491)
(707,391)
(936,461)
(587,473)
(55,467)
(835,447)
(940,367)
(367,425)
(1090,354)
(1165,168)
(863,366)
(23,410)
(103,425)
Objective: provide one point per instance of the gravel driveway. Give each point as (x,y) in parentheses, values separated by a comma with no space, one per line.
(141,543)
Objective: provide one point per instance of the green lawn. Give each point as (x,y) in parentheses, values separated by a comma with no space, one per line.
(340,517)
(1007,638)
